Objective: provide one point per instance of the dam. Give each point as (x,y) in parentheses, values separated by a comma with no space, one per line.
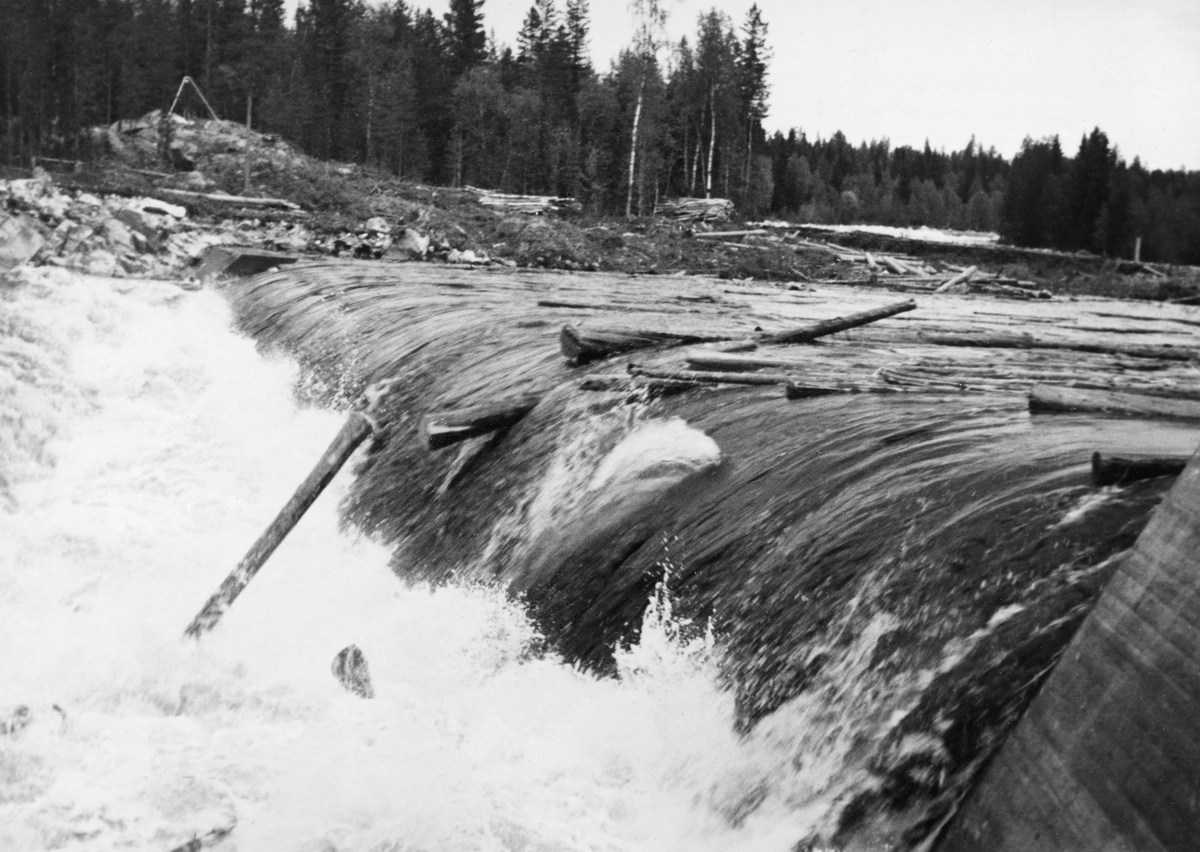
(651,613)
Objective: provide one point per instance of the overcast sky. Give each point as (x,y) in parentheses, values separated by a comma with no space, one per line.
(943,70)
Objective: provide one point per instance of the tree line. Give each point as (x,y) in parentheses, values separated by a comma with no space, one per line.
(438,100)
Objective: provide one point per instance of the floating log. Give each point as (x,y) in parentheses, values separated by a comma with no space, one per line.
(833,326)
(823,328)
(1025,341)
(582,345)
(894,265)
(798,390)
(710,377)
(624,382)
(725,361)
(960,278)
(1055,398)
(356,429)
(1115,470)
(444,428)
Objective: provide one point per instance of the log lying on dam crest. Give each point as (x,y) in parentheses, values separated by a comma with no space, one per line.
(1106,756)
(581,346)
(1052,398)
(584,345)
(356,430)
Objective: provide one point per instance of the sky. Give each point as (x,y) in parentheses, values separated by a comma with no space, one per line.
(947,70)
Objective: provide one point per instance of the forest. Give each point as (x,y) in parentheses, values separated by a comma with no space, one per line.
(440,101)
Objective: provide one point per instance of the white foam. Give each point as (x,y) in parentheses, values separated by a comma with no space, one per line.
(169,445)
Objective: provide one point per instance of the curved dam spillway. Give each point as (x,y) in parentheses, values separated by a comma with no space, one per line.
(886,574)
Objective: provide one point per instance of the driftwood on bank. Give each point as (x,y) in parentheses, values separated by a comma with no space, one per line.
(1052,398)
(960,278)
(728,235)
(356,429)
(1115,470)
(583,345)
(236,200)
(695,209)
(1024,341)
(444,428)
(532,205)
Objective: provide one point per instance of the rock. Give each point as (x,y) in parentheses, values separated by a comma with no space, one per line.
(182,157)
(412,243)
(378,225)
(350,668)
(117,233)
(101,262)
(19,241)
(139,223)
(76,237)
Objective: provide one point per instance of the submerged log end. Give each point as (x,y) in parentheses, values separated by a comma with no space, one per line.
(1114,470)
(444,428)
(572,344)
(796,390)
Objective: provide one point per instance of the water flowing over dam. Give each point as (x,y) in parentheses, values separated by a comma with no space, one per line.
(645,616)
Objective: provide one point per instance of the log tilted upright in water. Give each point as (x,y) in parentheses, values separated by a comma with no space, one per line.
(353,433)
(443,428)
(1054,398)
(1114,470)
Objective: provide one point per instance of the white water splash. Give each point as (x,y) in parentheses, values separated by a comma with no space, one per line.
(149,448)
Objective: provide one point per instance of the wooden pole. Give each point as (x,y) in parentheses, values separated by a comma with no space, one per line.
(353,433)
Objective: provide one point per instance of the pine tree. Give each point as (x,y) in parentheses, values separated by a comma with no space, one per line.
(465,34)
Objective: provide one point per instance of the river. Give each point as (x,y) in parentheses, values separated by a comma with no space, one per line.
(146,441)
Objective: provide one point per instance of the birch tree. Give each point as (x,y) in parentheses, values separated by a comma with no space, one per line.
(651,21)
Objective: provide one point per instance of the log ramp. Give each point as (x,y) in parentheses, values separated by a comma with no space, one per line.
(1108,755)
(892,564)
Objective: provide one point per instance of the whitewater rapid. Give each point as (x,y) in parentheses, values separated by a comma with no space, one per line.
(144,446)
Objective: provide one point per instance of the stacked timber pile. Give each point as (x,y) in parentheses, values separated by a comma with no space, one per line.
(695,209)
(530,205)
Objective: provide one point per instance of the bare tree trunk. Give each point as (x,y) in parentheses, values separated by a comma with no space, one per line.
(712,140)
(637,117)
(246,175)
(696,159)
